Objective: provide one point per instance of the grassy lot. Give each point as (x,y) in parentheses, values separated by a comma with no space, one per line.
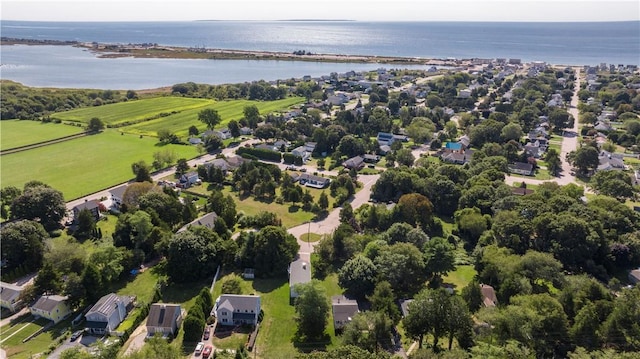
(311,237)
(179,123)
(14,346)
(460,277)
(290,215)
(132,111)
(16,133)
(84,165)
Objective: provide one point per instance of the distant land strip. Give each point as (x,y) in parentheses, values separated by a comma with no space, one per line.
(151,50)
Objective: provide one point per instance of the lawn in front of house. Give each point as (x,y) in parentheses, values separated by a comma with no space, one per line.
(17,133)
(12,336)
(84,165)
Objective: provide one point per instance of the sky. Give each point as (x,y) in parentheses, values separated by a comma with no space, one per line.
(362,10)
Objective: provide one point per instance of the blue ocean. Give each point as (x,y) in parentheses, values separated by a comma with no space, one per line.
(581,43)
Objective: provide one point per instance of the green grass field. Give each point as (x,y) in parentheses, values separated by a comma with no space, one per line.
(179,123)
(460,277)
(14,334)
(84,165)
(138,110)
(16,133)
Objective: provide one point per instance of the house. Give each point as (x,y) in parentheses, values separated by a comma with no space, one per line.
(343,310)
(456,157)
(356,162)
(369,158)
(299,273)
(313,181)
(301,151)
(384,149)
(385,138)
(164,318)
(235,309)
(223,134)
(634,276)
(208,220)
(195,141)
(189,179)
(404,306)
(52,307)
(249,273)
(534,149)
(521,168)
(108,312)
(244,131)
(465,141)
(489,298)
(10,296)
(92,206)
(608,161)
(466,93)
(117,194)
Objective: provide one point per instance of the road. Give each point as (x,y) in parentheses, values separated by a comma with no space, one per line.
(569,143)
(332,221)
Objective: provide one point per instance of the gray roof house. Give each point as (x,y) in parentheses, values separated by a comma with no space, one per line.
(356,162)
(404,306)
(208,220)
(164,318)
(343,310)
(108,312)
(299,273)
(117,194)
(313,181)
(93,206)
(634,276)
(489,298)
(9,296)
(235,309)
(521,168)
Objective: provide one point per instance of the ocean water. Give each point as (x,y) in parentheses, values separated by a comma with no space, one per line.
(558,43)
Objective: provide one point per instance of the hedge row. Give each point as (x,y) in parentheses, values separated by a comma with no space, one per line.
(260,153)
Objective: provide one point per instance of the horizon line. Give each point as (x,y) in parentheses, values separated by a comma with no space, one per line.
(332,20)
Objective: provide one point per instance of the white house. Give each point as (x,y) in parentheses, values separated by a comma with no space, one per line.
(208,220)
(164,318)
(299,273)
(9,296)
(108,312)
(235,309)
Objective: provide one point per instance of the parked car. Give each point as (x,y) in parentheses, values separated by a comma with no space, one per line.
(76,335)
(302,169)
(291,168)
(206,333)
(199,348)
(207,351)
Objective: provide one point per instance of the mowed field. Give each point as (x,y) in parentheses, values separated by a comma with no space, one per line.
(84,165)
(179,123)
(16,133)
(132,111)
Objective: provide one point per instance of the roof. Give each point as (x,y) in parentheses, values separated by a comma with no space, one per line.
(343,308)
(107,304)
(208,220)
(635,274)
(46,303)
(353,162)
(93,204)
(299,272)
(489,298)
(163,315)
(235,302)
(404,306)
(118,191)
(9,291)
(521,166)
(309,177)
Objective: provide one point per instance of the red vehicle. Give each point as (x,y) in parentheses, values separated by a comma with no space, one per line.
(207,351)
(206,333)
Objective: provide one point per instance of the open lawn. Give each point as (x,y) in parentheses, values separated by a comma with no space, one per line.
(311,237)
(12,336)
(17,133)
(84,165)
(132,111)
(460,277)
(179,123)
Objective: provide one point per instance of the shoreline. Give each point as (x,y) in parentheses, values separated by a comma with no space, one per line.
(106,50)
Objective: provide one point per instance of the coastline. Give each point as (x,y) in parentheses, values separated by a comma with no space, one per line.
(105,50)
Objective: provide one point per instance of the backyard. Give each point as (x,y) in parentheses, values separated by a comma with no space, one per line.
(17,133)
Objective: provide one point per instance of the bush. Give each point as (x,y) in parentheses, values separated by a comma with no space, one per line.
(260,153)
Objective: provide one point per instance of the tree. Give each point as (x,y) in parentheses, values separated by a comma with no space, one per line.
(511,131)
(312,308)
(234,128)
(414,208)
(402,265)
(182,167)
(48,280)
(421,129)
(274,249)
(323,201)
(383,300)
(92,282)
(40,203)
(369,330)
(193,131)
(232,285)
(472,295)
(252,115)
(358,276)
(439,257)
(165,137)
(142,171)
(615,184)
(585,158)
(560,119)
(95,125)
(7,195)
(351,146)
(133,193)
(193,326)
(22,244)
(193,254)
(86,224)
(404,157)
(554,164)
(74,290)
(209,117)
(621,327)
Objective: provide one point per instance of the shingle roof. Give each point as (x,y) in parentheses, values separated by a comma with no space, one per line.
(118,191)
(343,308)
(107,304)
(299,272)
(46,303)
(9,291)
(235,302)
(163,314)
(208,220)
